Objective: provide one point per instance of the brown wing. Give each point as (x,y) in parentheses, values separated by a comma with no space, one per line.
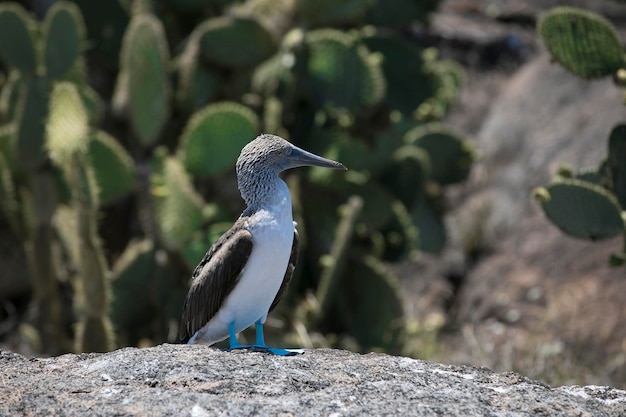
(291,266)
(214,279)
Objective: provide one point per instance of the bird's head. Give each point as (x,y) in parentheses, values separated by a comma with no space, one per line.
(268,155)
(275,154)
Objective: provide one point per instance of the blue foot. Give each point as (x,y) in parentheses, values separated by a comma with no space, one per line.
(260,345)
(276,351)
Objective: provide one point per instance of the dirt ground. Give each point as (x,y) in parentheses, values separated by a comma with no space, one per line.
(511,292)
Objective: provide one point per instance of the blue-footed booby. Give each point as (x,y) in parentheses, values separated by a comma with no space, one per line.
(247,270)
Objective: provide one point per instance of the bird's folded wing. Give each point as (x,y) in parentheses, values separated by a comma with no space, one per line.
(214,279)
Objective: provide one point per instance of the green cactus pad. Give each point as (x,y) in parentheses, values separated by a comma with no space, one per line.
(193,5)
(450,155)
(408,84)
(427,217)
(406,174)
(17,38)
(63,33)
(7,145)
(178,206)
(130,279)
(318,13)
(67,126)
(400,13)
(342,73)
(583,42)
(214,137)
(371,305)
(616,163)
(197,84)
(401,235)
(448,77)
(9,96)
(340,145)
(93,104)
(377,209)
(31,114)
(8,202)
(144,60)
(234,42)
(581,209)
(113,167)
(105,22)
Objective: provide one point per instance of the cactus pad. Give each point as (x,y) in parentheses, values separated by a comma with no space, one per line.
(31,113)
(399,13)
(113,167)
(178,206)
(9,96)
(197,84)
(144,60)
(17,38)
(319,13)
(401,235)
(408,84)
(581,209)
(371,304)
(406,174)
(427,218)
(67,126)
(63,33)
(583,42)
(8,203)
(214,137)
(341,72)
(616,163)
(234,42)
(450,156)
(130,280)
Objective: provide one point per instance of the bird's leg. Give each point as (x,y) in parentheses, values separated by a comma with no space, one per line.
(260,344)
(260,339)
(232,339)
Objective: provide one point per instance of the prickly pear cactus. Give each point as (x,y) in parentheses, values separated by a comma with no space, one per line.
(402,62)
(145,89)
(342,72)
(67,141)
(31,113)
(400,13)
(17,38)
(341,79)
(449,154)
(371,284)
(113,167)
(214,137)
(63,32)
(583,42)
(178,206)
(581,209)
(616,163)
(318,13)
(234,42)
(588,203)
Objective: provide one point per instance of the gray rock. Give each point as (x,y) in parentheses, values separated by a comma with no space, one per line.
(180,380)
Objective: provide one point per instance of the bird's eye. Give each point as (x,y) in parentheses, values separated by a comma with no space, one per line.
(288,151)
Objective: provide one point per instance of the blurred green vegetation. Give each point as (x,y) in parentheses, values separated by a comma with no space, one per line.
(589,203)
(121,121)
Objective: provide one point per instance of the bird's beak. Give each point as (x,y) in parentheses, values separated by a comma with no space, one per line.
(300,157)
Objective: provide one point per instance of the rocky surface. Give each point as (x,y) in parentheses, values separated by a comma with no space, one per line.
(198,381)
